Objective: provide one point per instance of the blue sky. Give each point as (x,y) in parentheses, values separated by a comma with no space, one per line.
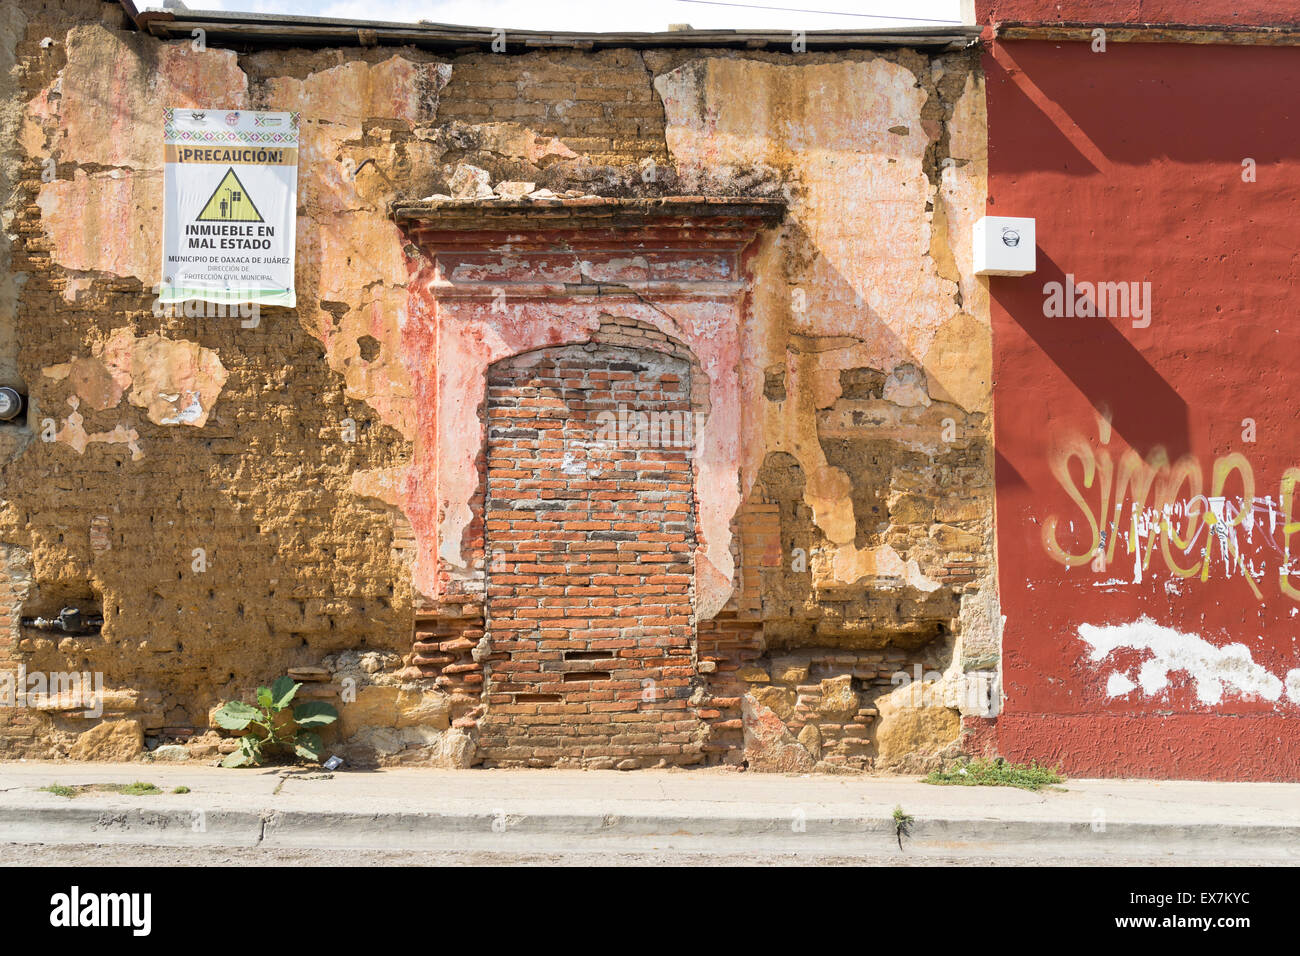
(598,15)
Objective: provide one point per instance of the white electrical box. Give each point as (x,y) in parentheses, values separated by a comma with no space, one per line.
(1004,246)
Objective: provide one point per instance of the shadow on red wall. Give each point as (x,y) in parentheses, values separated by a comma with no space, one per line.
(1173,170)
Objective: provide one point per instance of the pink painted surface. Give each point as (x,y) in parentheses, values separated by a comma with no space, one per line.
(457,324)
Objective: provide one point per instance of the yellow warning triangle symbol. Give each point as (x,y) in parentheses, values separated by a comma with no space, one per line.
(229,202)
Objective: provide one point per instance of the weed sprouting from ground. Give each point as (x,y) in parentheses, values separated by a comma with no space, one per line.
(902,824)
(138,789)
(997,773)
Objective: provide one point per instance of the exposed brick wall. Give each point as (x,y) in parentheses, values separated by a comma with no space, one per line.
(825,695)
(759,548)
(602,105)
(450,647)
(589,536)
(728,648)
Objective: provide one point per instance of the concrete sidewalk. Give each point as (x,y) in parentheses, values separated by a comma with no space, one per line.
(688,811)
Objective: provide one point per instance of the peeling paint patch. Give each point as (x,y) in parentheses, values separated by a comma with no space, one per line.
(883,564)
(352,93)
(843,142)
(1215,671)
(381,484)
(176,381)
(74,435)
(115,86)
(105,222)
(518,142)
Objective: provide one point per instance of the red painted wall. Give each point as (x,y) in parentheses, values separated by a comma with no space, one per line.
(1189,12)
(1131,162)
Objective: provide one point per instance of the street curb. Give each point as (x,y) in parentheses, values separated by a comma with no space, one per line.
(139,826)
(523,831)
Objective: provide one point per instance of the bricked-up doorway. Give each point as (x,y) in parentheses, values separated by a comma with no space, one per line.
(589,534)
(498,285)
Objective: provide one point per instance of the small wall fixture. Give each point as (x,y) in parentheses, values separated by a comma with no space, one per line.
(1004,246)
(11,404)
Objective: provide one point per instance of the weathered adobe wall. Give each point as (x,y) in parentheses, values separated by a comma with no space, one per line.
(858,527)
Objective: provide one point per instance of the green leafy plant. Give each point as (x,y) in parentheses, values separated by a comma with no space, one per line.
(902,824)
(60,790)
(274,729)
(181,790)
(997,773)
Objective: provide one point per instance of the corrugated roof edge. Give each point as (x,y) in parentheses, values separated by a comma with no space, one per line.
(276,30)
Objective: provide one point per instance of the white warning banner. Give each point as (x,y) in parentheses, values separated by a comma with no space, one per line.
(230,201)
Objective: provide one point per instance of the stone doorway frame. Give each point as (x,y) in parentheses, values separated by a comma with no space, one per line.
(490,279)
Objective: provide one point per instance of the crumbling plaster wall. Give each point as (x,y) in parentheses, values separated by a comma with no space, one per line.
(866,368)
(867,373)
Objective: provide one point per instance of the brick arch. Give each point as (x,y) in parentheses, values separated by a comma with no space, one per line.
(612,330)
(633,333)
(589,538)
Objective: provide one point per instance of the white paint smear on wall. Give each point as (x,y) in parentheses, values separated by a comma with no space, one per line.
(1117,685)
(1214,671)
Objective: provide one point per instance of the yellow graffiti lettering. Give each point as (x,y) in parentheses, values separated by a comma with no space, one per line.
(1186,470)
(1289,527)
(1167,504)
(1133,483)
(1060,465)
